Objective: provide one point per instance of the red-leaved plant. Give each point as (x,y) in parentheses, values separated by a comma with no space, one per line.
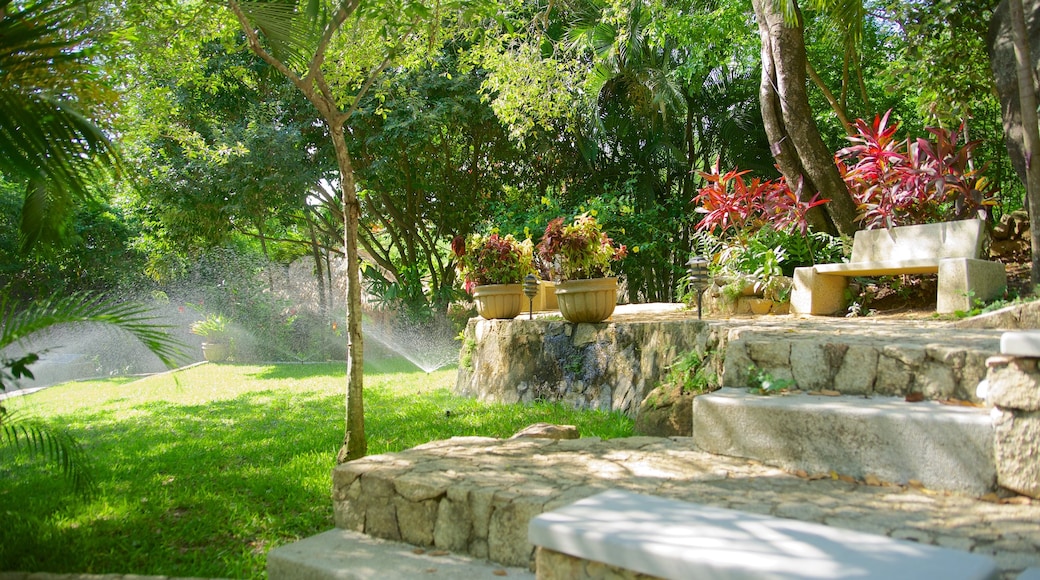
(492,259)
(579,250)
(902,182)
(732,205)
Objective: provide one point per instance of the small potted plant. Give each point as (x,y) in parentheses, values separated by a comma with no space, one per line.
(214,332)
(493,268)
(580,255)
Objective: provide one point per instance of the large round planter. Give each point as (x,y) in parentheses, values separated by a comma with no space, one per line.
(499,300)
(214,351)
(587,300)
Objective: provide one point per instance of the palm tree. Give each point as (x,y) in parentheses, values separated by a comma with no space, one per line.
(46,140)
(17,324)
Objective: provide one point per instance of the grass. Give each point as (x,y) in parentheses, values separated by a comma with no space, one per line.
(201,472)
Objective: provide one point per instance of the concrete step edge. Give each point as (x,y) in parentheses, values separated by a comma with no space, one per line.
(348,555)
(942,446)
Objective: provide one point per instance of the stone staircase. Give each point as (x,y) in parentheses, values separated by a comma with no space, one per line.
(885,438)
(831,451)
(847,411)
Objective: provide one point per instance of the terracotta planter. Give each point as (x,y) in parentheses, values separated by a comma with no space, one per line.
(214,351)
(546,297)
(760,305)
(499,300)
(587,300)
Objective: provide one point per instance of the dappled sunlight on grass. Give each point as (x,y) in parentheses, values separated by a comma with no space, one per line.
(205,470)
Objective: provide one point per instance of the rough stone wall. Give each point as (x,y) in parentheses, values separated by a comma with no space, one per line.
(1014,390)
(552,565)
(607,366)
(816,363)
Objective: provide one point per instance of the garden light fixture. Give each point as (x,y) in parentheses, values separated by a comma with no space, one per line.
(530,290)
(697,268)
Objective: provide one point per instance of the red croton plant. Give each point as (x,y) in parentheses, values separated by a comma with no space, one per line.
(732,205)
(900,182)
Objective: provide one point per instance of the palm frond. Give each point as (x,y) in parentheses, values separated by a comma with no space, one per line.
(292,33)
(36,438)
(44,138)
(32,45)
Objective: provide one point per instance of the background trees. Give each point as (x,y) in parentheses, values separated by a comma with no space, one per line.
(544,110)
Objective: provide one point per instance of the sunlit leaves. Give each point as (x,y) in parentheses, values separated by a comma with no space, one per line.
(45,139)
(900,182)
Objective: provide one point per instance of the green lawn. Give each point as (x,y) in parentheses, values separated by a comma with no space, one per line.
(201,472)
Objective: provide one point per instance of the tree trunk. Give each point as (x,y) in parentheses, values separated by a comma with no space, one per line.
(1030,129)
(794,138)
(355,444)
(316,90)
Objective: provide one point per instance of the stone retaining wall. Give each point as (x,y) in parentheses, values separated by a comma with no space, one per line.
(606,366)
(614,366)
(948,367)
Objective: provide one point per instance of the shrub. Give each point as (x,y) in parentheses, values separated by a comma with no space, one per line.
(579,250)
(492,259)
(902,182)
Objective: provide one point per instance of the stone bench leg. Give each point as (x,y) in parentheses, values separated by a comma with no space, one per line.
(963,280)
(816,293)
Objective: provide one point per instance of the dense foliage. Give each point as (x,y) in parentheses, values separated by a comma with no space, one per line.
(624,109)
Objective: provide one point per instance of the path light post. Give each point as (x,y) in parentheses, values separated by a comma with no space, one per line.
(530,290)
(697,268)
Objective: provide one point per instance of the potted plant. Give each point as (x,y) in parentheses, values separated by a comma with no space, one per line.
(493,268)
(580,256)
(214,332)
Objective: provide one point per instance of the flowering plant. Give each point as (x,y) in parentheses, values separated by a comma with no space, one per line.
(729,203)
(579,250)
(492,259)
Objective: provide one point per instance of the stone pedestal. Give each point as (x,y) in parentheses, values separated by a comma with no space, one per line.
(1014,390)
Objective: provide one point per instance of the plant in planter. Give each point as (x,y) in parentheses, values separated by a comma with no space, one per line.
(747,227)
(214,332)
(580,256)
(493,268)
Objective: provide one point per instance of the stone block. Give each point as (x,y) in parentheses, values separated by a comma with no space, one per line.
(665,538)
(343,555)
(858,370)
(416,520)
(965,280)
(1023,343)
(507,530)
(381,520)
(454,522)
(1013,387)
(811,368)
(943,446)
(816,293)
(1017,450)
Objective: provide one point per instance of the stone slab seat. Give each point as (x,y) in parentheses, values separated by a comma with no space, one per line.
(949,249)
(943,446)
(671,539)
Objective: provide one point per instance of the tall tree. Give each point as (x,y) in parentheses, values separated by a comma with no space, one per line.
(297,43)
(795,139)
(1028,101)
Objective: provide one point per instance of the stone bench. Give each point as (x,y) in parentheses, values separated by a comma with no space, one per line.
(949,249)
(630,536)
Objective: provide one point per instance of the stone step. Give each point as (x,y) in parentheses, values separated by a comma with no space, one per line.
(942,446)
(860,356)
(346,555)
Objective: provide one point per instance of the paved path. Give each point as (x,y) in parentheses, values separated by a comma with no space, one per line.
(544,474)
